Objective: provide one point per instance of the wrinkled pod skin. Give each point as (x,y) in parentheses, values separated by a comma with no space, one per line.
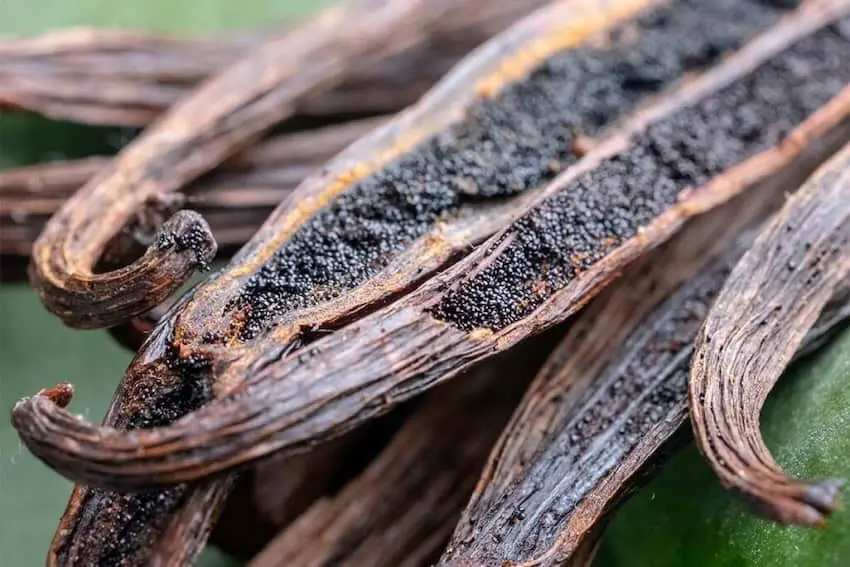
(226,113)
(266,322)
(458,317)
(72,75)
(400,510)
(234,200)
(46,70)
(772,298)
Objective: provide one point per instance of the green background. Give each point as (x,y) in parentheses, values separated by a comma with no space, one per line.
(682,518)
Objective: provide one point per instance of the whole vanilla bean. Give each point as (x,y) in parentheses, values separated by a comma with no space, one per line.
(771,299)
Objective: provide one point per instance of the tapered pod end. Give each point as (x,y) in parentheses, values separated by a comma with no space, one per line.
(60,394)
(800,503)
(86,300)
(772,297)
(25,414)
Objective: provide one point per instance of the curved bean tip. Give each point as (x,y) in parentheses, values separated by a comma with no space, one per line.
(188,231)
(60,394)
(824,495)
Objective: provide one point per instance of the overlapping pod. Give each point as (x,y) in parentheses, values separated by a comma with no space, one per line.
(610,403)
(228,112)
(129,78)
(722,134)
(401,509)
(234,199)
(408,199)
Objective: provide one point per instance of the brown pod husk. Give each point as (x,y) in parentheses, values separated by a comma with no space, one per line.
(224,115)
(235,198)
(401,509)
(771,299)
(266,499)
(129,78)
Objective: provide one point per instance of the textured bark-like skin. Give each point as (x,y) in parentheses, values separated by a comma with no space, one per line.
(225,114)
(401,509)
(128,78)
(67,265)
(610,401)
(772,297)
(270,496)
(363,369)
(41,189)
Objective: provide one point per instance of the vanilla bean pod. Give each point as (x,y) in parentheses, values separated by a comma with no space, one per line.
(235,198)
(401,509)
(227,113)
(129,78)
(273,494)
(769,302)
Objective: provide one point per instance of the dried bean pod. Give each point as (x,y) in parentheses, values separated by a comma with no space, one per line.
(401,509)
(225,114)
(610,403)
(235,199)
(270,496)
(116,77)
(771,299)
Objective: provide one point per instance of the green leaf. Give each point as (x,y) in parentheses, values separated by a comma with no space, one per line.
(27,138)
(684,517)
(36,350)
(19,17)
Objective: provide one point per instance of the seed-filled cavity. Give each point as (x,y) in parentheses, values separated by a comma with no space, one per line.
(576,228)
(162,393)
(506,145)
(645,383)
(98,539)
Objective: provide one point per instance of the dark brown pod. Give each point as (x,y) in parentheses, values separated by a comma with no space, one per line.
(234,199)
(403,506)
(271,495)
(771,299)
(227,113)
(130,78)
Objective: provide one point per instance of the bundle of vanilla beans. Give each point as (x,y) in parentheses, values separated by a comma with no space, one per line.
(481,268)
